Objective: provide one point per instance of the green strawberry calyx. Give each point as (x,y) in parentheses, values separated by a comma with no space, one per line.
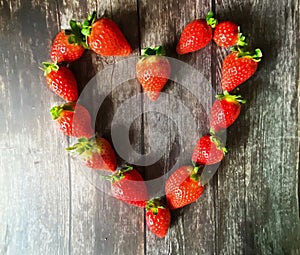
(196,172)
(154,51)
(218,143)
(85,147)
(48,67)
(255,55)
(75,36)
(210,20)
(119,175)
(231,98)
(241,39)
(154,204)
(56,111)
(87,25)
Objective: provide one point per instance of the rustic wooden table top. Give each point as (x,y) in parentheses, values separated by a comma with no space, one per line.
(48,205)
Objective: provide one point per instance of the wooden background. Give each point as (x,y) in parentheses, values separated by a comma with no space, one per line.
(48,206)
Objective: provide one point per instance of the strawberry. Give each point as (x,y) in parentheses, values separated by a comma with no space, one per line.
(228,34)
(128,186)
(225,111)
(196,35)
(208,151)
(238,67)
(68,44)
(153,71)
(96,152)
(61,81)
(79,126)
(183,187)
(104,37)
(158,217)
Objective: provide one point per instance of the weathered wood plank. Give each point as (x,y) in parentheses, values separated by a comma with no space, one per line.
(257,206)
(192,230)
(100,223)
(34,191)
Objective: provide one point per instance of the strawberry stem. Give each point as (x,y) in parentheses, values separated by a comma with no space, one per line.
(85,147)
(87,25)
(211,21)
(255,55)
(75,35)
(195,174)
(156,51)
(48,67)
(56,111)
(119,175)
(218,143)
(231,98)
(125,169)
(154,204)
(211,131)
(241,39)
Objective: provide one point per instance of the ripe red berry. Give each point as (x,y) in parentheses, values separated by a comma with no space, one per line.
(158,217)
(68,44)
(196,35)
(63,51)
(227,34)
(128,186)
(153,71)
(239,67)
(104,37)
(80,126)
(225,111)
(97,153)
(183,187)
(61,81)
(208,151)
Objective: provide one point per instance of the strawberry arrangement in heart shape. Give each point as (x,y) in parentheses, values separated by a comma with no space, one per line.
(105,38)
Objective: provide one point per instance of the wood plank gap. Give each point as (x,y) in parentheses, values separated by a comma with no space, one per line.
(214,85)
(143,152)
(298,181)
(58,15)
(70,199)
(244,248)
(112,15)
(68,155)
(142,117)
(138,21)
(297,29)
(97,6)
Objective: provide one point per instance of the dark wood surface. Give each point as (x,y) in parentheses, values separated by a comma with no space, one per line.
(49,206)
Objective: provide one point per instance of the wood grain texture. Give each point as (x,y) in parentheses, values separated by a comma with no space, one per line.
(170,127)
(257,204)
(34,190)
(99,223)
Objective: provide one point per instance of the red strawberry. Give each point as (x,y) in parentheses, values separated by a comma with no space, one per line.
(183,187)
(153,71)
(69,44)
(227,34)
(196,35)
(61,81)
(158,217)
(128,186)
(208,151)
(79,126)
(239,67)
(225,111)
(104,37)
(96,152)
